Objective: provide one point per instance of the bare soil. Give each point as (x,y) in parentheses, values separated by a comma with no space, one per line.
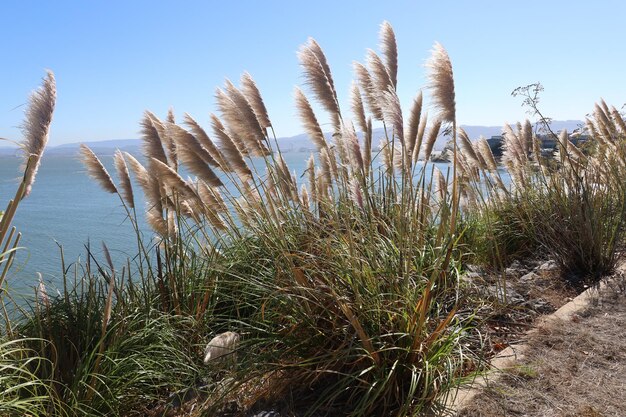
(575,368)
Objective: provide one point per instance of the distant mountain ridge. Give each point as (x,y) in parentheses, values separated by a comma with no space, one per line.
(298,143)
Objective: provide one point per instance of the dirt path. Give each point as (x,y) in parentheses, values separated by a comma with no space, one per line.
(574,368)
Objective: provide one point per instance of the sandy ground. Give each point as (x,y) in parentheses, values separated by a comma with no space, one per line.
(575,368)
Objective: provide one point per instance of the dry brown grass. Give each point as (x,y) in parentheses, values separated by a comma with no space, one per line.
(573,369)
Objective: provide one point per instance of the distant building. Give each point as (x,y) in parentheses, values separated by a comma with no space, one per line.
(548,142)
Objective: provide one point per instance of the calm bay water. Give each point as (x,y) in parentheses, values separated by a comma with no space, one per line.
(69,208)
(65,207)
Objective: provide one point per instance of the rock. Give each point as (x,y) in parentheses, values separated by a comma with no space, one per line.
(512,296)
(221,346)
(514,272)
(270,413)
(475,268)
(529,278)
(548,266)
(472,277)
(540,306)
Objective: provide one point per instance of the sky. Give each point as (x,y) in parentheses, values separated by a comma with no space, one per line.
(115,59)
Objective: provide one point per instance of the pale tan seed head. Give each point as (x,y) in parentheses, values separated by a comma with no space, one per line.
(367,147)
(211,197)
(431,138)
(605,108)
(319,78)
(356,195)
(194,156)
(441,83)
(328,166)
(141,173)
(526,136)
(562,137)
(487,155)
(388,152)
(124,176)
(309,121)
(593,132)
(304,197)
(381,80)
(512,150)
(286,182)
(322,187)
(170,118)
(229,149)
(392,112)
(152,144)
(536,148)
(421,129)
(353,149)
(440,180)
(149,184)
(227,125)
(170,178)
(310,170)
(618,119)
(389,49)
(241,119)
(96,170)
(365,81)
(201,136)
(36,128)
(575,153)
(252,93)
(467,148)
(186,139)
(414,121)
(603,122)
(155,220)
(357,107)
(482,163)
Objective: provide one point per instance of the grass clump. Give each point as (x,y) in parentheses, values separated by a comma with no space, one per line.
(22,391)
(570,208)
(344,285)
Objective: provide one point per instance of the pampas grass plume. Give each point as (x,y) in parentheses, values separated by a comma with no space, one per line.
(122,173)
(319,78)
(252,93)
(307,116)
(96,170)
(441,83)
(36,128)
(357,107)
(431,139)
(152,144)
(414,122)
(365,81)
(389,49)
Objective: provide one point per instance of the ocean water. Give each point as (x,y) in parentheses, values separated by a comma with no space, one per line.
(64,208)
(68,208)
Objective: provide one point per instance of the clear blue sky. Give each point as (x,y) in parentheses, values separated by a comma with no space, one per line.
(114,59)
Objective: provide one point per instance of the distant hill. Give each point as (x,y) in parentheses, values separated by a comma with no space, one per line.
(298,143)
(301,143)
(104,147)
